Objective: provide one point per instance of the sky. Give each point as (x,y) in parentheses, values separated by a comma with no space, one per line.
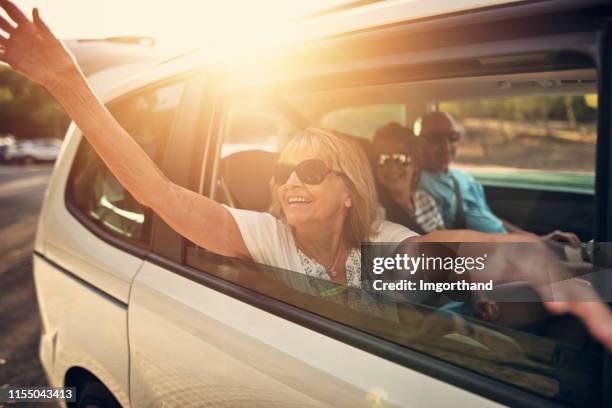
(177,24)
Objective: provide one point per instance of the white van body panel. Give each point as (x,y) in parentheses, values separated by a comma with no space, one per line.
(193,346)
(82,327)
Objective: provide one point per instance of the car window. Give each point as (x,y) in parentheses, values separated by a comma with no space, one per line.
(254,134)
(551,359)
(536,140)
(95,194)
(362,121)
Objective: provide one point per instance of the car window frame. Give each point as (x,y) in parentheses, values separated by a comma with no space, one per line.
(188,143)
(603,183)
(134,248)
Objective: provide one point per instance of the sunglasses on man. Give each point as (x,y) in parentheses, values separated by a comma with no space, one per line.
(312,172)
(401,159)
(441,137)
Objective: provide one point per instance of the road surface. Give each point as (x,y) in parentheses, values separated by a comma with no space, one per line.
(21,193)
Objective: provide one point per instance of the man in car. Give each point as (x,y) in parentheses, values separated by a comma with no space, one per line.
(459,197)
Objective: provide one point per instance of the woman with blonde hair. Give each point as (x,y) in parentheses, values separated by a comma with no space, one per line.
(325,199)
(324,206)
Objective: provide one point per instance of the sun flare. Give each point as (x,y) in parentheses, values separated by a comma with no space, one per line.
(178,25)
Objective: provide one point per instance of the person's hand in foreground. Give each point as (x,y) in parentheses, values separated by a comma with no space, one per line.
(562,236)
(560,290)
(530,261)
(31,48)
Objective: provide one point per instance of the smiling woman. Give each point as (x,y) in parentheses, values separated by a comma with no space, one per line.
(323,207)
(351,194)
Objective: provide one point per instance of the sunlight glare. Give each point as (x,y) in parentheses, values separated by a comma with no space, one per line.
(178,25)
(233,25)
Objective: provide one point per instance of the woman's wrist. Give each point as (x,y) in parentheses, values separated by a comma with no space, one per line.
(65,81)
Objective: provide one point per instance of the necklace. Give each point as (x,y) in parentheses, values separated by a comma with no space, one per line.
(331,271)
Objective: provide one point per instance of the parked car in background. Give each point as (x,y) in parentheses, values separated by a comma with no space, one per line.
(5,142)
(33,151)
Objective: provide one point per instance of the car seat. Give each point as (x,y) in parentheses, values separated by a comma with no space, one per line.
(245,179)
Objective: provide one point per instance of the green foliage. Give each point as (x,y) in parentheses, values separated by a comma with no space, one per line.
(27,110)
(579,109)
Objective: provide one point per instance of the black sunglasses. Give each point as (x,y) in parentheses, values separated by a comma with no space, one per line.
(398,158)
(312,171)
(437,138)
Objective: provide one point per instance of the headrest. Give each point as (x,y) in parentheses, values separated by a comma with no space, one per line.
(363,144)
(247,175)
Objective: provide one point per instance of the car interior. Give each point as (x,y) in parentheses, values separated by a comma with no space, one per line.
(535,209)
(258,124)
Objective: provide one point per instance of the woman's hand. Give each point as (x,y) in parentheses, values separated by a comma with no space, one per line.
(31,48)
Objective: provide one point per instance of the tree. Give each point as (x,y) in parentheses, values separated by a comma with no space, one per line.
(27,110)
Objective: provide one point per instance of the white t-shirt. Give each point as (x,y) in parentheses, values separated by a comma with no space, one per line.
(270,242)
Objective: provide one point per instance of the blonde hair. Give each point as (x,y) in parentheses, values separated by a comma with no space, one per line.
(343,153)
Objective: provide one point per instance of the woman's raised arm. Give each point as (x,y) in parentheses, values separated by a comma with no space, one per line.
(31,48)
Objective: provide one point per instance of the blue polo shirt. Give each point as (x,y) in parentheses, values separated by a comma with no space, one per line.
(478,215)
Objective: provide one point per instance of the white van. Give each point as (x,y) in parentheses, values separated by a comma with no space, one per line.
(135,315)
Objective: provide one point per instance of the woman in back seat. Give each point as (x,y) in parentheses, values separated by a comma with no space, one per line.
(325,201)
(397,169)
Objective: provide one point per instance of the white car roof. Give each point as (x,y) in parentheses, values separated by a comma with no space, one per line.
(344,19)
(95,55)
